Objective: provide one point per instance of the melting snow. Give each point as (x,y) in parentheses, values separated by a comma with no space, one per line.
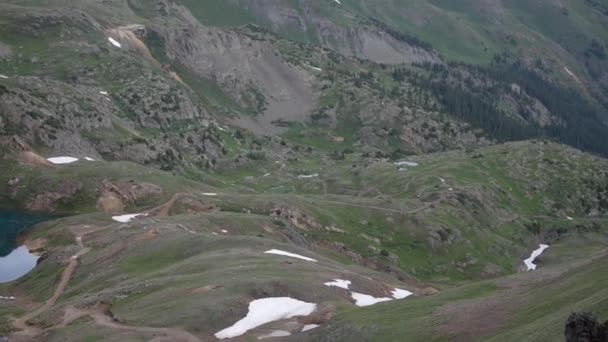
(309,176)
(126,218)
(310,327)
(367,300)
(315,68)
(406,163)
(530,261)
(400,293)
(339,283)
(3,76)
(280,252)
(114,42)
(62,160)
(266,310)
(276,333)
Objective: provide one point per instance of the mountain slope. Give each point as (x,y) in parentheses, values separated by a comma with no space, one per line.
(402,145)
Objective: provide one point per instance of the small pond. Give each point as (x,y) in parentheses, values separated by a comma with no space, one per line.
(15,260)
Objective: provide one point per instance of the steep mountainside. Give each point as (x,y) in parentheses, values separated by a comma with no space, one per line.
(219,156)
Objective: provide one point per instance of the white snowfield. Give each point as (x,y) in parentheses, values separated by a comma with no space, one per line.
(530,261)
(309,176)
(266,310)
(276,333)
(62,160)
(341,283)
(114,42)
(126,218)
(309,327)
(292,255)
(406,163)
(400,293)
(367,300)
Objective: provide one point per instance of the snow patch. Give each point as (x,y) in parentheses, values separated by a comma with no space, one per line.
(62,160)
(569,218)
(209,194)
(276,333)
(400,293)
(3,76)
(266,174)
(280,252)
(224,231)
(570,73)
(339,283)
(309,327)
(114,42)
(338,2)
(530,261)
(315,68)
(406,163)
(126,218)
(103,92)
(266,310)
(7,297)
(367,300)
(89,159)
(309,176)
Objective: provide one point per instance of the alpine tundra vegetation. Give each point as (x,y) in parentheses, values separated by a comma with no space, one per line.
(303,170)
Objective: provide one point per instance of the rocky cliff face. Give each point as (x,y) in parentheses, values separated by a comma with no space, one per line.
(245,65)
(364,40)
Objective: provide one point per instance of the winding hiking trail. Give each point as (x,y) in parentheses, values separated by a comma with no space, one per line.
(102,317)
(26,332)
(21,323)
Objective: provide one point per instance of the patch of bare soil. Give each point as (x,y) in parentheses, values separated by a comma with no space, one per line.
(36,245)
(34,159)
(110,203)
(204,289)
(102,316)
(148,235)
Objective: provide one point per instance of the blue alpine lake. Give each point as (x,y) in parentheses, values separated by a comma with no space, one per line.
(15,260)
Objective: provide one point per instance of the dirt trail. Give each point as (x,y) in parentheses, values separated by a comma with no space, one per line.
(26,332)
(102,316)
(21,323)
(164,209)
(371,206)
